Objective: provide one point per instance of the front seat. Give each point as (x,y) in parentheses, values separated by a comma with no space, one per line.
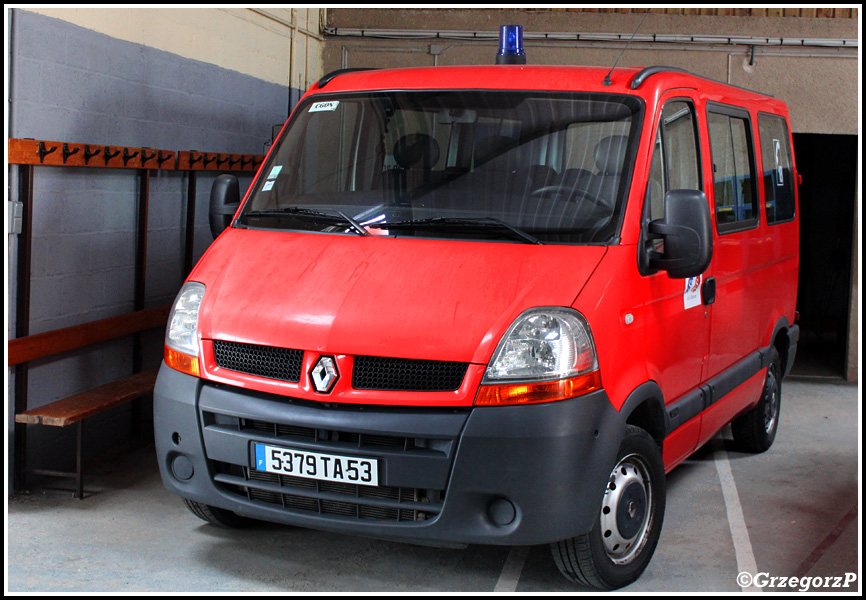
(415,154)
(609,156)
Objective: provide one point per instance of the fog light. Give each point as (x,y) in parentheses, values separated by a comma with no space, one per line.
(181,467)
(501,512)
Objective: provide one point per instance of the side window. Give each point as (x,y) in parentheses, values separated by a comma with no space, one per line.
(675,163)
(778,169)
(733,178)
(655,197)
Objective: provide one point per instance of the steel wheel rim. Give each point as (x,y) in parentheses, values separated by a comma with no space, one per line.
(771,404)
(625,524)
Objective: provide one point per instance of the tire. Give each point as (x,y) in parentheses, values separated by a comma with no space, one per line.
(756,430)
(621,543)
(218,517)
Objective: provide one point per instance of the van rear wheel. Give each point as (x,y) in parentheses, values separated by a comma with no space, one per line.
(621,543)
(755,431)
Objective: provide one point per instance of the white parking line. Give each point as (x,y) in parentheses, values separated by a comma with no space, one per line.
(739,533)
(511,570)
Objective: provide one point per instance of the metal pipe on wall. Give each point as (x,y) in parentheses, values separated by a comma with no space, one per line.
(688,39)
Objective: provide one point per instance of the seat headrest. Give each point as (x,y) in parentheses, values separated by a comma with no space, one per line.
(610,154)
(416,150)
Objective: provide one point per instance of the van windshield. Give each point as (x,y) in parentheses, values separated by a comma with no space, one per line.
(535,167)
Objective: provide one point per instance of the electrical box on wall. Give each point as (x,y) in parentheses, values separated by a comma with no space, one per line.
(15,214)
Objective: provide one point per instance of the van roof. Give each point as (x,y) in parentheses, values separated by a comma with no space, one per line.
(645,82)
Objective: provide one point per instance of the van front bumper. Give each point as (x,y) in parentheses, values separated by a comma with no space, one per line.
(515,475)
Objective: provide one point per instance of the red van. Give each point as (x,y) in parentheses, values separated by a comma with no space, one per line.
(488,305)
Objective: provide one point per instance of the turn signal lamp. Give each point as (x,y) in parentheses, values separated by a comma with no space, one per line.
(534,393)
(181,362)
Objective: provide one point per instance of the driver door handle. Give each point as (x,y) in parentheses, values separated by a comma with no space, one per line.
(708,291)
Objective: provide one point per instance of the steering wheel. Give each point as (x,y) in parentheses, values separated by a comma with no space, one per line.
(571,194)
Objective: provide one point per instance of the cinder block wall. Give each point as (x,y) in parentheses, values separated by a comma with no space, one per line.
(70,81)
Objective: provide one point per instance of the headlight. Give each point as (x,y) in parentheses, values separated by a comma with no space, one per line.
(544,343)
(181,334)
(550,351)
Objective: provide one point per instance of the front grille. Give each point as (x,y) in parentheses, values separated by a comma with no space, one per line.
(401,374)
(264,361)
(331,498)
(358,440)
(368,372)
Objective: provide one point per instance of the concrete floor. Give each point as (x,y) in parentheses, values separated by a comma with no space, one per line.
(792,511)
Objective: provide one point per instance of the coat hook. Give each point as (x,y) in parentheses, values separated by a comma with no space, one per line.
(108,155)
(145,157)
(246,161)
(207,160)
(235,161)
(88,154)
(67,153)
(127,156)
(161,159)
(221,160)
(193,159)
(43,152)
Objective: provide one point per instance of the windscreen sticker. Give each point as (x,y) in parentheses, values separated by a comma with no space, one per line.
(274,172)
(268,185)
(320,106)
(692,294)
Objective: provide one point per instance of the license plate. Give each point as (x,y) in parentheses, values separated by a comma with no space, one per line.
(313,465)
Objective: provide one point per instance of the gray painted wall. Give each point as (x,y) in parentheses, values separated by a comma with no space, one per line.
(74,85)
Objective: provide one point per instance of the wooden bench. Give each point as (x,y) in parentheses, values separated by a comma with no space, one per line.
(74,409)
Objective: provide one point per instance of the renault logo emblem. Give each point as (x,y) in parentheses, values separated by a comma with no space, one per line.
(324,375)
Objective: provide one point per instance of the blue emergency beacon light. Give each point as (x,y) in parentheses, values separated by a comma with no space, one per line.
(511,46)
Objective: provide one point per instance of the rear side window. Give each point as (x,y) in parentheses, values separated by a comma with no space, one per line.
(734,190)
(778,171)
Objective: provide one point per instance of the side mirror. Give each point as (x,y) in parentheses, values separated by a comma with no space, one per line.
(687,232)
(225,197)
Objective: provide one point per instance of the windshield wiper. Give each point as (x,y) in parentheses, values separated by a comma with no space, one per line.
(330,218)
(484,224)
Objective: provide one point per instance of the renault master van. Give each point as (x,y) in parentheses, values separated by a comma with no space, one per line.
(488,305)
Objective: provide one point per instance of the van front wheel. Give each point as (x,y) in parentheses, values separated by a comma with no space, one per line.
(755,431)
(621,543)
(218,517)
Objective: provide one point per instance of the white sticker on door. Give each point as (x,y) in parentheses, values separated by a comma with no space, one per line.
(692,293)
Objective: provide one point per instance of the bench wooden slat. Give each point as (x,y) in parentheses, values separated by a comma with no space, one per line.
(85,404)
(49,343)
